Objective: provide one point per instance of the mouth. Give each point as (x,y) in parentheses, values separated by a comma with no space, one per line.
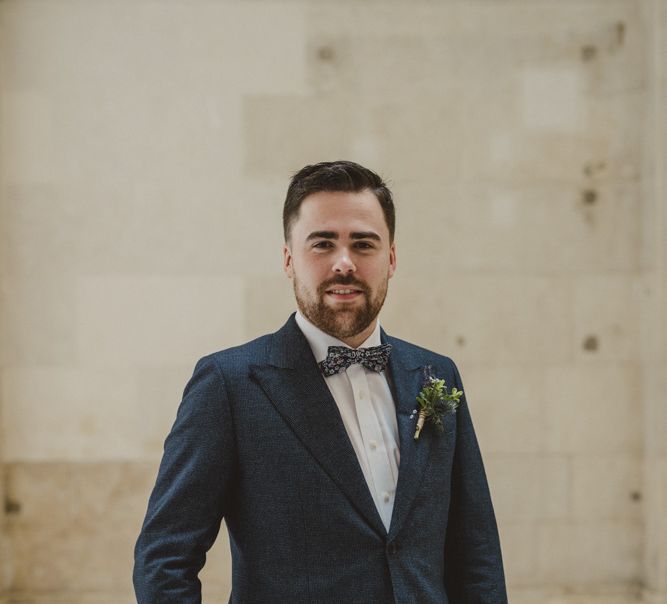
(344,293)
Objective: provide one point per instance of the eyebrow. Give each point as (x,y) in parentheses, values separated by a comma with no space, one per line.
(334,235)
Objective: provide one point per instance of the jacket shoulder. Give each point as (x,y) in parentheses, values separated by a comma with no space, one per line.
(242,355)
(418,355)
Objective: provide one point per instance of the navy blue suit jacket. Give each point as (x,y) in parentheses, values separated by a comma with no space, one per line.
(258,441)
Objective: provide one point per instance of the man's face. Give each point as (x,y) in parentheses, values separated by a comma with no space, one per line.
(340,260)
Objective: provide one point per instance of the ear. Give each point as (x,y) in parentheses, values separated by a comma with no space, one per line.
(392,260)
(288,266)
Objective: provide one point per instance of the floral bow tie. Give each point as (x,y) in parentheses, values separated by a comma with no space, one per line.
(339,358)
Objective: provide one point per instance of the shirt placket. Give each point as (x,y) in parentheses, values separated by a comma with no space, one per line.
(383,487)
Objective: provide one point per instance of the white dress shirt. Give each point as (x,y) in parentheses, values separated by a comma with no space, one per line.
(367,408)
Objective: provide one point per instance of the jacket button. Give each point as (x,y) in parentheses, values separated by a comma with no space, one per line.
(392,548)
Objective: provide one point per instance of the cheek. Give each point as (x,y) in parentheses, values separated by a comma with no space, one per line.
(310,272)
(380,271)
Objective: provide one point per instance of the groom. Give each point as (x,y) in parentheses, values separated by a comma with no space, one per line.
(304,440)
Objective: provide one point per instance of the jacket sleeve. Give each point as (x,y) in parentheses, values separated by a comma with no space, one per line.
(188,501)
(473,561)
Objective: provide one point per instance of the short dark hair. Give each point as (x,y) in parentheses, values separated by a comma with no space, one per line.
(336,176)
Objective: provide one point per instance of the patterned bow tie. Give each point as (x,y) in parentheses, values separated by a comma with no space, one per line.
(339,358)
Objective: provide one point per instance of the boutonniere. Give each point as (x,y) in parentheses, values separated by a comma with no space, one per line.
(434,401)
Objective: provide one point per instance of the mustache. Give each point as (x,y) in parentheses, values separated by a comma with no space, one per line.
(348,280)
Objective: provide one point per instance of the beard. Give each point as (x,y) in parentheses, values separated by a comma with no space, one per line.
(340,322)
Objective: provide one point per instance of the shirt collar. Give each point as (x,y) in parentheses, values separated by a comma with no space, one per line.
(320,341)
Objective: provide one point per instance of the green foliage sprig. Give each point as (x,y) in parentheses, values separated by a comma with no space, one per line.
(434,401)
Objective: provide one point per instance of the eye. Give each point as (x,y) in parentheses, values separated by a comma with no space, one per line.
(364,245)
(323,244)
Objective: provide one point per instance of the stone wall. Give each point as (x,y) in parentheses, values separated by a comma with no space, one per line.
(4,552)
(144,154)
(655,320)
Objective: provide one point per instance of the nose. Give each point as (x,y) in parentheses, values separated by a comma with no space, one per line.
(343,264)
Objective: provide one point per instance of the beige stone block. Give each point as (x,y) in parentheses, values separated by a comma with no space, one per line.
(519,543)
(591,552)
(83,415)
(651,597)
(270,38)
(39,226)
(69,597)
(616,133)
(5,557)
(79,494)
(113,493)
(493,227)
(216,575)
(528,489)
(607,314)
(544,24)
(76,524)
(655,536)
(34,332)
(269,301)
(551,98)
(607,488)
(501,226)
(588,595)
(487,318)
(507,407)
(426,227)
(654,387)
(615,62)
(119,95)
(214,595)
(498,147)
(29,120)
(71,414)
(361,19)
(603,38)
(41,493)
(429,63)
(141,227)
(545,21)
(650,299)
(152,321)
(72,557)
(594,409)
(316,128)
(419,140)
(159,391)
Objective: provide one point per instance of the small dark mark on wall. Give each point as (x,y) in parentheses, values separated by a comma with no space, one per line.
(589,196)
(460,340)
(590,343)
(325,53)
(12,507)
(620,33)
(593,168)
(588,52)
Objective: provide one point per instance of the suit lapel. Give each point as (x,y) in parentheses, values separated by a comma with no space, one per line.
(406,380)
(294,384)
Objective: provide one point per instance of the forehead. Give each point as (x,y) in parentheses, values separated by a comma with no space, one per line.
(342,211)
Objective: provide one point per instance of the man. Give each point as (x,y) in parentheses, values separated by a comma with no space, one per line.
(310,457)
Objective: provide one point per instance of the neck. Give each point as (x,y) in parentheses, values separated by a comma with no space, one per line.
(358,339)
(352,340)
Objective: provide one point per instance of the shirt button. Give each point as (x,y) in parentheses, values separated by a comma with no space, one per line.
(386,496)
(361,394)
(373,445)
